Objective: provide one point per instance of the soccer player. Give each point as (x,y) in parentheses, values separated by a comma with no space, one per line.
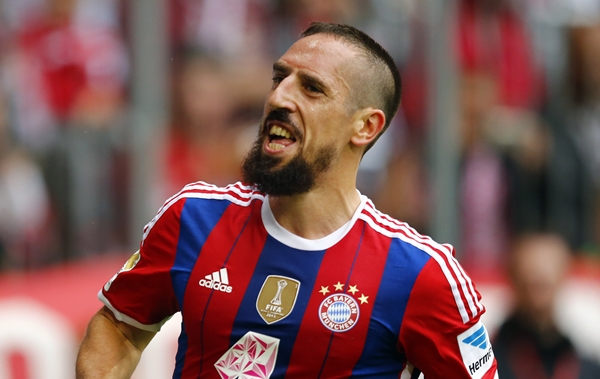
(293,273)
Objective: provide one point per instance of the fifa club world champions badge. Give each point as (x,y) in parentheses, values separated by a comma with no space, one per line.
(276,298)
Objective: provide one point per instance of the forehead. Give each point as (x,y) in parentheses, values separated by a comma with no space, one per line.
(322,55)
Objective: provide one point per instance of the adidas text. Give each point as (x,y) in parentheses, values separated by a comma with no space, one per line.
(215,285)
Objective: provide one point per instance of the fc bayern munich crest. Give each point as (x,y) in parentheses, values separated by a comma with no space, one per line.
(339,312)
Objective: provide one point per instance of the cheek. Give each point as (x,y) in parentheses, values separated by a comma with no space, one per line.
(327,125)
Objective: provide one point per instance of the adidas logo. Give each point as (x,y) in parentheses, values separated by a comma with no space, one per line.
(218,280)
(477,339)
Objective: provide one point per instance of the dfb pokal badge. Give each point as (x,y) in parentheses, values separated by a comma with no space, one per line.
(276,298)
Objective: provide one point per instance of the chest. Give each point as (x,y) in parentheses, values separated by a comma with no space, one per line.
(247,291)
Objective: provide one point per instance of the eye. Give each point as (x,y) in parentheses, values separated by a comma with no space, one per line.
(313,88)
(277,79)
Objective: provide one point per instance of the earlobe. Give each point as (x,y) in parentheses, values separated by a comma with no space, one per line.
(369,126)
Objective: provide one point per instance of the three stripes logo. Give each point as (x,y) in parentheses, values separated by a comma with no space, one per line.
(218,280)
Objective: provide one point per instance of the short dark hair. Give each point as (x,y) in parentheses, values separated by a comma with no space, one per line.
(387,85)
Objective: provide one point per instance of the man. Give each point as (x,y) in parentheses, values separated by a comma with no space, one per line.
(297,275)
(529,345)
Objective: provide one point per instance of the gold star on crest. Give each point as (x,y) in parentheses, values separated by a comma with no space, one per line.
(363,299)
(353,289)
(324,290)
(339,286)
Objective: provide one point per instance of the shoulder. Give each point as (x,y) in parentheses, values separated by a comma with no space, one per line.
(438,274)
(237,193)
(205,196)
(404,237)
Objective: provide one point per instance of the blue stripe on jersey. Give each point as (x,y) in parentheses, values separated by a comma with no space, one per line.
(281,260)
(198,218)
(404,263)
(182,342)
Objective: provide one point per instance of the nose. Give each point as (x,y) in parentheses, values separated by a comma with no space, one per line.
(282,95)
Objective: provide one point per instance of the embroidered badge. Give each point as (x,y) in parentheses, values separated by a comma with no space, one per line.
(339,312)
(276,298)
(129,265)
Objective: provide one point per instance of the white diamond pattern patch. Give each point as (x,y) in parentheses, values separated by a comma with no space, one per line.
(252,357)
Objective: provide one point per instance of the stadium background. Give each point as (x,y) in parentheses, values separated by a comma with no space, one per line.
(107,107)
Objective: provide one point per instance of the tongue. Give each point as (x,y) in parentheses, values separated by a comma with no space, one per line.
(282,141)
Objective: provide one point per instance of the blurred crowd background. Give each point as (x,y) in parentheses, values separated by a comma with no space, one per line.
(527,96)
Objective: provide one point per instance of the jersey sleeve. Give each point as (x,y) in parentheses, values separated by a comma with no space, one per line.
(441,334)
(141,293)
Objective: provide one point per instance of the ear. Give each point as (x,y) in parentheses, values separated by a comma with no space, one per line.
(368,125)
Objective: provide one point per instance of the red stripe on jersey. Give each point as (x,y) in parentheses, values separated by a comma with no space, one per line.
(428,332)
(467,298)
(155,265)
(366,278)
(468,292)
(361,270)
(222,249)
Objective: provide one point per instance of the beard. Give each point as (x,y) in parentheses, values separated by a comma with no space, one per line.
(296,177)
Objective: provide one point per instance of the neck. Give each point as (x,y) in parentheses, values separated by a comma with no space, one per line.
(317,213)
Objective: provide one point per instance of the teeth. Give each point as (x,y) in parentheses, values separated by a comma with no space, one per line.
(276,146)
(279,131)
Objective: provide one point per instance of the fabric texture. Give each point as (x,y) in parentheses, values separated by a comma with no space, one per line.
(373,299)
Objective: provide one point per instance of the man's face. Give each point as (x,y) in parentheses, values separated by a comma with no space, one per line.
(307,117)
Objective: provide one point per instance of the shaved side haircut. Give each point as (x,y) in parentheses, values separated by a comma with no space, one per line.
(380,84)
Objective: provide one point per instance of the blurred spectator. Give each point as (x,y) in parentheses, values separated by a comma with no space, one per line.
(497,71)
(225,28)
(67,79)
(491,37)
(546,178)
(529,344)
(584,90)
(64,62)
(524,153)
(520,170)
(293,16)
(494,35)
(403,192)
(26,227)
(208,135)
(483,190)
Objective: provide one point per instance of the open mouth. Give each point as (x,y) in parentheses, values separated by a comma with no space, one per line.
(279,138)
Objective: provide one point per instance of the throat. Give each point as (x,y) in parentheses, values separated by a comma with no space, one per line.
(312,219)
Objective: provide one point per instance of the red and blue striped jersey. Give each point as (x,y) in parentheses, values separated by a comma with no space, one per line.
(374,299)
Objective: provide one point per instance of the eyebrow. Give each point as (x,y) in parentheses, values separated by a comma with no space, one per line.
(309,78)
(281,67)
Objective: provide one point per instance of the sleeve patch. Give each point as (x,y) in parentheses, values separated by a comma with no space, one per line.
(476,350)
(130,264)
